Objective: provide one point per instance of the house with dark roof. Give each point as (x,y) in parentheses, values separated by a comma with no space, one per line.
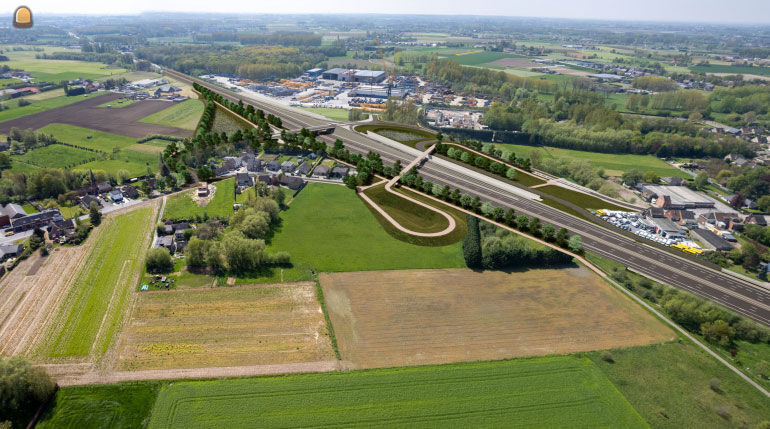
(291,182)
(757,219)
(116,196)
(62,229)
(718,219)
(243,180)
(267,179)
(321,171)
(104,187)
(36,220)
(304,168)
(86,200)
(255,165)
(129,191)
(339,172)
(288,166)
(166,241)
(712,240)
(274,165)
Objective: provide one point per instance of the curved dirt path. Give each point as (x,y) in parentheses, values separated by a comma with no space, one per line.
(447,230)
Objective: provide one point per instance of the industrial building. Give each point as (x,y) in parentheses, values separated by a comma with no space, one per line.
(676,197)
(336,74)
(378,92)
(369,76)
(314,73)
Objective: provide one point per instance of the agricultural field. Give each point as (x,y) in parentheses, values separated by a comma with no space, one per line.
(731,69)
(35,106)
(226,326)
(400,318)
(328,112)
(184,115)
(181,206)
(93,310)
(225,122)
(329,228)
(481,58)
(58,70)
(55,156)
(122,405)
(88,138)
(567,390)
(117,104)
(677,394)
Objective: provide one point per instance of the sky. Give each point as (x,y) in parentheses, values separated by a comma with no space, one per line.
(734,11)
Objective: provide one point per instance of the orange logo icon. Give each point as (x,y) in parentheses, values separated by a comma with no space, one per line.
(22,18)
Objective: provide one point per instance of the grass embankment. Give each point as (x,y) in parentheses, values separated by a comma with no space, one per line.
(182,207)
(406,135)
(328,112)
(578,198)
(566,391)
(329,228)
(522,178)
(89,318)
(184,115)
(416,217)
(35,106)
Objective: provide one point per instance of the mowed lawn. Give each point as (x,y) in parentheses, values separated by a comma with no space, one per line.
(87,321)
(56,156)
(544,392)
(328,112)
(58,70)
(182,207)
(329,227)
(35,106)
(613,164)
(183,115)
(86,137)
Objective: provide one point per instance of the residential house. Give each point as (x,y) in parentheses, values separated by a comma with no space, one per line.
(255,165)
(36,220)
(166,241)
(274,165)
(10,251)
(13,211)
(62,229)
(673,181)
(104,187)
(243,180)
(288,166)
(321,171)
(203,190)
(339,172)
(291,182)
(232,162)
(129,191)
(304,168)
(718,220)
(86,200)
(267,179)
(116,196)
(758,219)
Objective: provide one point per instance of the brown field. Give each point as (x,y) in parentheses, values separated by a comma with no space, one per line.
(399,318)
(219,327)
(87,114)
(571,72)
(745,76)
(515,62)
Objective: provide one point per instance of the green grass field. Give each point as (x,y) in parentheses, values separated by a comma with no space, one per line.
(78,136)
(56,156)
(182,206)
(668,384)
(481,58)
(122,405)
(577,198)
(544,392)
(732,69)
(58,70)
(134,162)
(329,228)
(36,106)
(333,114)
(183,115)
(92,312)
(612,163)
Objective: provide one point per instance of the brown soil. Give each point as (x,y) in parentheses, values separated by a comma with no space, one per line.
(87,114)
(399,318)
(223,327)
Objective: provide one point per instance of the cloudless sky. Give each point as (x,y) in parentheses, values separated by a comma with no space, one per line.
(731,11)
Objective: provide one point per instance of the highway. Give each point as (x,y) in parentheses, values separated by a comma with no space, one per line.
(738,295)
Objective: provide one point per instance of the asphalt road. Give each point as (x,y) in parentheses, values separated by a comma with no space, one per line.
(736,294)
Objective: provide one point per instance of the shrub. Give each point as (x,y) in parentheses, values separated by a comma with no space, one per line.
(607,357)
(716,385)
(23,386)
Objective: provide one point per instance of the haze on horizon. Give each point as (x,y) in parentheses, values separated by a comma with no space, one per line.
(712,11)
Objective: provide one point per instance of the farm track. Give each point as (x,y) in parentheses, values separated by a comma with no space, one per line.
(123,121)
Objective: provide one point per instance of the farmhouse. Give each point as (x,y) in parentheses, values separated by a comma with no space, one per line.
(36,220)
(166,241)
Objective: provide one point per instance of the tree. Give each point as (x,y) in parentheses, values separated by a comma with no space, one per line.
(472,243)
(651,177)
(561,237)
(718,331)
(486,209)
(632,177)
(511,173)
(522,222)
(24,387)
(498,213)
(159,260)
(576,244)
(548,232)
(195,253)
(95,214)
(764,203)
(510,217)
(701,180)
(750,257)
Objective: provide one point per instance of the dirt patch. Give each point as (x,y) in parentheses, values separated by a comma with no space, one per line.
(571,72)
(515,62)
(204,201)
(400,318)
(88,114)
(31,293)
(223,327)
